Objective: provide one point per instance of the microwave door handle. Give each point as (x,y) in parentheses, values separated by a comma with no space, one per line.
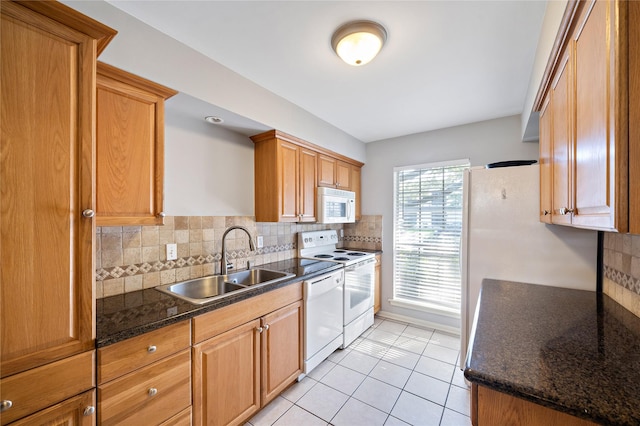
(350,214)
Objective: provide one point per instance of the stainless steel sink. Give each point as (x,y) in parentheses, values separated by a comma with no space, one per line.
(257,276)
(207,289)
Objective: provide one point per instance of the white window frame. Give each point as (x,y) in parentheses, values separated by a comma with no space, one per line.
(424,306)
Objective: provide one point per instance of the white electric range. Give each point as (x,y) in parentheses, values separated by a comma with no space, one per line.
(359,268)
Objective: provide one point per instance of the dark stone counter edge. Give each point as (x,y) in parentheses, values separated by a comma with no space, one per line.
(202,309)
(531,396)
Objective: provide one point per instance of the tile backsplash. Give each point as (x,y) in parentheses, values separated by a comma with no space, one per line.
(621,269)
(130,258)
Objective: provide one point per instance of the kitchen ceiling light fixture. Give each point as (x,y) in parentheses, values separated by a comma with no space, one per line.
(358,42)
(213,119)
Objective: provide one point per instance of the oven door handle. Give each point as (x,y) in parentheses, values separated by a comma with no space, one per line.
(359,265)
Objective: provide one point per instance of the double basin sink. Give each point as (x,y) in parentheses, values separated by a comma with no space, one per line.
(207,289)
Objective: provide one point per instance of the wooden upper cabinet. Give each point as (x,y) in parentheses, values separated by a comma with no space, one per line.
(546,162)
(288,170)
(601,119)
(285,182)
(46,169)
(562,145)
(356,186)
(588,81)
(130,148)
(334,173)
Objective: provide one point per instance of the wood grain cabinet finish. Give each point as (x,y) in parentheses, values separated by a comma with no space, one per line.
(377,296)
(147,378)
(585,104)
(546,161)
(287,172)
(47,267)
(285,182)
(129,148)
(41,387)
(149,395)
(76,411)
(245,355)
(490,407)
(334,173)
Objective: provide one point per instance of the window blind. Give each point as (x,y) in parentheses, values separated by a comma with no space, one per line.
(427,231)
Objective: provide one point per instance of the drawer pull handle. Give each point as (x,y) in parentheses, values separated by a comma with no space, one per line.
(151,349)
(5,405)
(152,391)
(89,410)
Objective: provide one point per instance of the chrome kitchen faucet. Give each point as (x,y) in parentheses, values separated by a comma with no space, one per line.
(223,262)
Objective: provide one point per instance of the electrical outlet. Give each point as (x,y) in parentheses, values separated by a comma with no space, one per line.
(259,241)
(172,251)
(341,233)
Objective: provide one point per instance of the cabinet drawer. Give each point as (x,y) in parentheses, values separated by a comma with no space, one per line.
(216,322)
(150,395)
(41,387)
(129,355)
(183,418)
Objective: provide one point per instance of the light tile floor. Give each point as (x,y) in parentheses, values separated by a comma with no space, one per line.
(394,374)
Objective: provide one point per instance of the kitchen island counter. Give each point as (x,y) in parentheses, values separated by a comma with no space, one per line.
(573,351)
(131,314)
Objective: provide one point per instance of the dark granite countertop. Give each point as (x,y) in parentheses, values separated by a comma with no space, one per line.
(570,350)
(131,314)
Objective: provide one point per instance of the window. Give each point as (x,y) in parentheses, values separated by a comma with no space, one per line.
(427,231)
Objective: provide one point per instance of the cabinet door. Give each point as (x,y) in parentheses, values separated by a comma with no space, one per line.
(282,358)
(226,376)
(76,411)
(546,161)
(326,171)
(47,263)
(308,179)
(343,175)
(288,175)
(130,148)
(597,144)
(561,122)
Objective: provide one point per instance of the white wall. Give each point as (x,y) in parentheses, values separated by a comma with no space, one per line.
(142,50)
(482,143)
(550,25)
(208,169)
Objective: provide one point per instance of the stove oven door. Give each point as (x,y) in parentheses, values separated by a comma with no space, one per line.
(358,289)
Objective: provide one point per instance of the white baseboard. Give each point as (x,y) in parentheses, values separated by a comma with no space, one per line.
(421,323)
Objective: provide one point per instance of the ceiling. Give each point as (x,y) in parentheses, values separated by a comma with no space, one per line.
(445,63)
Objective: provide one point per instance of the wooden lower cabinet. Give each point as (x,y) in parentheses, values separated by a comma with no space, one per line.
(490,407)
(282,360)
(240,369)
(226,376)
(76,411)
(147,379)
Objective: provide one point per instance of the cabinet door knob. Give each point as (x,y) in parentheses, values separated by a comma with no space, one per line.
(89,410)
(545,212)
(565,210)
(151,349)
(162,214)
(5,405)
(266,327)
(260,329)
(152,391)
(88,213)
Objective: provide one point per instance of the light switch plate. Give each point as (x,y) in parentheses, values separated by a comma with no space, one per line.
(172,251)
(259,241)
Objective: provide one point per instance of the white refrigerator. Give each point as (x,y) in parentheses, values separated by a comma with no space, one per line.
(503,238)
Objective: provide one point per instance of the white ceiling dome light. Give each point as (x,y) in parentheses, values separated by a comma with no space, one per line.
(358,42)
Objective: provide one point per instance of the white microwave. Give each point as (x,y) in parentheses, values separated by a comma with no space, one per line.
(336,206)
